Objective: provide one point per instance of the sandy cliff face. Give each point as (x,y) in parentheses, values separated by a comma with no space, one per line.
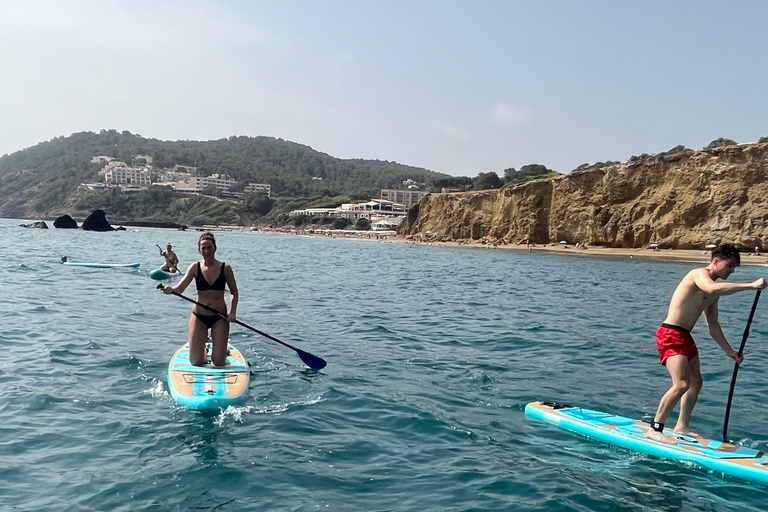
(682,200)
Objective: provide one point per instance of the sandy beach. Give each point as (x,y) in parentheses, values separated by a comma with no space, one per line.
(691,255)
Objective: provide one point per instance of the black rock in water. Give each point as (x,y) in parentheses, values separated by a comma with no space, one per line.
(96,221)
(65,222)
(38,225)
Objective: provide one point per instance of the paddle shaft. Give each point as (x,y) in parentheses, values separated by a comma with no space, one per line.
(311,360)
(736,367)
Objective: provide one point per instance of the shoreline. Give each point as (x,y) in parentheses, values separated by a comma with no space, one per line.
(680,255)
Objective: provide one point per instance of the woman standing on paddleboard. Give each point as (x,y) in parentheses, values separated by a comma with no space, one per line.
(210,276)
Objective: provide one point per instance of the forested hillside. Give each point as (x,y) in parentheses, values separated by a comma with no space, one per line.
(42,180)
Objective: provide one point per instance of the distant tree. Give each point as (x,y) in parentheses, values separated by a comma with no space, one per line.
(340,223)
(258,204)
(210,190)
(486,180)
(526,172)
(240,186)
(460,182)
(362,224)
(718,143)
(763,139)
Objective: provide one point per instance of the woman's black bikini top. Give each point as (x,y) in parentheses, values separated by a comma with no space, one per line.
(217,285)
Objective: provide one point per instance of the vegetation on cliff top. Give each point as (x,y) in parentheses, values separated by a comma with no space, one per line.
(43,179)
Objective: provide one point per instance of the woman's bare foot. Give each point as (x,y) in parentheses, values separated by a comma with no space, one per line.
(687,432)
(658,436)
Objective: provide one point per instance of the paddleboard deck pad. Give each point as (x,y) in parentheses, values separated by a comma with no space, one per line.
(208,388)
(160,275)
(101,265)
(730,459)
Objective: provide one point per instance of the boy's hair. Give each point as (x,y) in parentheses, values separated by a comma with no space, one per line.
(726,252)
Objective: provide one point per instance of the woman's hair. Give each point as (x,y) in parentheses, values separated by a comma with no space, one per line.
(206,236)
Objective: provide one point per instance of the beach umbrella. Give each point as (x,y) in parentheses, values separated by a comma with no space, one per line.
(710,246)
(563,242)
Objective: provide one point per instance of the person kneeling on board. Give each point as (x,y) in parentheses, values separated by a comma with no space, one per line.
(697,293)
(210,276)
(171,260)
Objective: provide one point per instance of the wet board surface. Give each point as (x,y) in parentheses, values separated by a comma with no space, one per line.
(730,459)
(208,387)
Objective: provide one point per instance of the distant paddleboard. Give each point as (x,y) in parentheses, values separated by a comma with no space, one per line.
(730,459)
(101,265)
(208,388)
(160,275)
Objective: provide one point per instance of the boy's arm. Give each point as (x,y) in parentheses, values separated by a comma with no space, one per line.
(713,326)
(708,285)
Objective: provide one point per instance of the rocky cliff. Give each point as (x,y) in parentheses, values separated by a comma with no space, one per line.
(682,199)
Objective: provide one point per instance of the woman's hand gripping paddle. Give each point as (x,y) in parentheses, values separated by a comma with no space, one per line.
(314,362)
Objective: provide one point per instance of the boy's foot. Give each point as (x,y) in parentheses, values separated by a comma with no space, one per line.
(687,432)
(658,436)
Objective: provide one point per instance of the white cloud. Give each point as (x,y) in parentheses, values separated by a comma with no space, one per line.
(450,131)
(506,114)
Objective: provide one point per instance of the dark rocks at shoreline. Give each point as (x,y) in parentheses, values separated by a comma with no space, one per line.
(96,221)
(65,222)
(35,225)
(155,224)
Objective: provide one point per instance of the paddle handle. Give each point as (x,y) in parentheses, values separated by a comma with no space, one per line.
(736,366)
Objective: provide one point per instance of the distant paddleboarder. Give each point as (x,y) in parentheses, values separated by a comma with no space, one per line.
(171,260)
(63,259)
(697,293)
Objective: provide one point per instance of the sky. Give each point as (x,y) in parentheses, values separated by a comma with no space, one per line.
(459,87)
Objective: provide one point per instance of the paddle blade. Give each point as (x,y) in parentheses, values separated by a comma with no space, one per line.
(314,362)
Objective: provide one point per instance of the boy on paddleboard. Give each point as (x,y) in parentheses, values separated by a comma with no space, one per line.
(697,293)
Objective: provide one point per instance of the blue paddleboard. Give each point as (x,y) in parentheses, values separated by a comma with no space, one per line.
(208,387)
(161,275)
(101,265)
(730,459)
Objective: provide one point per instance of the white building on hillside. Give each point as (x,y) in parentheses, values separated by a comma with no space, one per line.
(196,184)
(407,197)
(130,176)
(254,188)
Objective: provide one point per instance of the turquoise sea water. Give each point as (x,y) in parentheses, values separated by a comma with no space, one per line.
(432,355)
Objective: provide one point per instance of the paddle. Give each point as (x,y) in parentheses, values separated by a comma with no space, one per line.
(736,368)
(314,362)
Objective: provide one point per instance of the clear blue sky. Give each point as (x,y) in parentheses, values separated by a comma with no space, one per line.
(456,87)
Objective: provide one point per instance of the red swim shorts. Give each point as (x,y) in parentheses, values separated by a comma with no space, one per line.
(672,340)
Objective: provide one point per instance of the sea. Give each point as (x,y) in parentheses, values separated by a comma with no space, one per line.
(433,353)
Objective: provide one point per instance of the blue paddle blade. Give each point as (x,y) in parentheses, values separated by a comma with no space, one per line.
(314,362)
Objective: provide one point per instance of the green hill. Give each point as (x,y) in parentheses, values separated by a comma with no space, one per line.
(42,181)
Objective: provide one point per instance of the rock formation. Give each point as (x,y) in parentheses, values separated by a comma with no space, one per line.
(97,221)
(681,199)
(37,225)
(65,222)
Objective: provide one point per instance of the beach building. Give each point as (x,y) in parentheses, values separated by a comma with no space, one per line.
(409,198)
(101,159)
(372,210)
